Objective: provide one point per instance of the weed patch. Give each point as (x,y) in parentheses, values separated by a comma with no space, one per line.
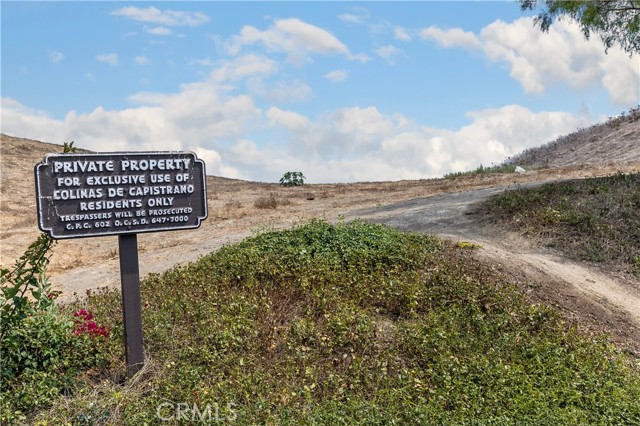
(352,323)
(596,219)
(482,170)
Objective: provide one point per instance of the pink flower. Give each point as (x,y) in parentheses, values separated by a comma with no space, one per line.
(83,324)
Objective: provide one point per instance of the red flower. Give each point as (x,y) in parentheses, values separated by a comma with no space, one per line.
(83,324)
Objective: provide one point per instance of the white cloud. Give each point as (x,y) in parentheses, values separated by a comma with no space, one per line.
(244,66)
(141,60)
(352,19)
(453,37)
(296,38)
(55,56)
(362,144)
(281,91)
(359,57)
(401,34)
(348,144)
(388,53)
(160,31)
(162,17)
(538,60)
(22,121)
(337,76)
(293,121)
(108,58)
(199,117)
(621,78)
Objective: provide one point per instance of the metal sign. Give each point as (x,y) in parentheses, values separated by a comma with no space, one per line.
(90,195)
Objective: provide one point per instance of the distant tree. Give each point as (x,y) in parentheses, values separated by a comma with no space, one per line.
(616,21)
(292,179)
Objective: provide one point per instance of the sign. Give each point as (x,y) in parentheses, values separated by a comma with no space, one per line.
(90,195)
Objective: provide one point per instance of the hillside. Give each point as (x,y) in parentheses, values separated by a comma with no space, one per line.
(617,141)
(236,208)
(403,317)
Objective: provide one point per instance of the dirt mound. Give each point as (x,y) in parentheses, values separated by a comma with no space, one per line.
(616,141)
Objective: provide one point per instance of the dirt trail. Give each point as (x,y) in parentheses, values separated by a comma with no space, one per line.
(582,292)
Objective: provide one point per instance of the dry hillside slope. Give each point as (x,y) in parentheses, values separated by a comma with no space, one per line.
(238,208)
(616,141)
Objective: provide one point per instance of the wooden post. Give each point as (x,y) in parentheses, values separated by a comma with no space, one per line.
(131,304)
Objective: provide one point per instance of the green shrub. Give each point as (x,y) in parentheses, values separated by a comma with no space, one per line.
(292,179)
(42,347)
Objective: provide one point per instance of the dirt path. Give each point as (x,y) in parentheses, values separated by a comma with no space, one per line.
(585,294)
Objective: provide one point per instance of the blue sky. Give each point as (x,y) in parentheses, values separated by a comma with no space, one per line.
(342,91)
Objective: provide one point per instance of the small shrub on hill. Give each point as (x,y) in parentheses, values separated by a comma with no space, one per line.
(292,179)
(266,203)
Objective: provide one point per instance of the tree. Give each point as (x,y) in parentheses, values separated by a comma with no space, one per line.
(292,179)
(616,21)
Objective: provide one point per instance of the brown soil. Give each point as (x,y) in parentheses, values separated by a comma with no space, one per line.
(238,208)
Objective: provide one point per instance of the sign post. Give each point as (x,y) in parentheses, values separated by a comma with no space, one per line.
(123,194)
(131,304)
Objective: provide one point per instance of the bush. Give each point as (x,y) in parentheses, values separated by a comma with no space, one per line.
(292,179)
(266,203)
(42,347)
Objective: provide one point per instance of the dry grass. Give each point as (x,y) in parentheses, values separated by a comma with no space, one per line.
(615,141)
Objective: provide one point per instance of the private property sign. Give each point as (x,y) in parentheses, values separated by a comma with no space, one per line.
(90,195)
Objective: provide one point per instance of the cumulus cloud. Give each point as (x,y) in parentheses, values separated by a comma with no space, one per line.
(337,76)
(162,17)
(108,58)
(296,38)
(244,66)
(200,117)
(401,34)
(388,53)
(453,37)
(362,144)
(159,31)
(290,120)
(353,19)
(539,60)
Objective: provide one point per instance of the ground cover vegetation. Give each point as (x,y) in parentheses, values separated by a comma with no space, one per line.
(482,170)
(596,220)
(351,323)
